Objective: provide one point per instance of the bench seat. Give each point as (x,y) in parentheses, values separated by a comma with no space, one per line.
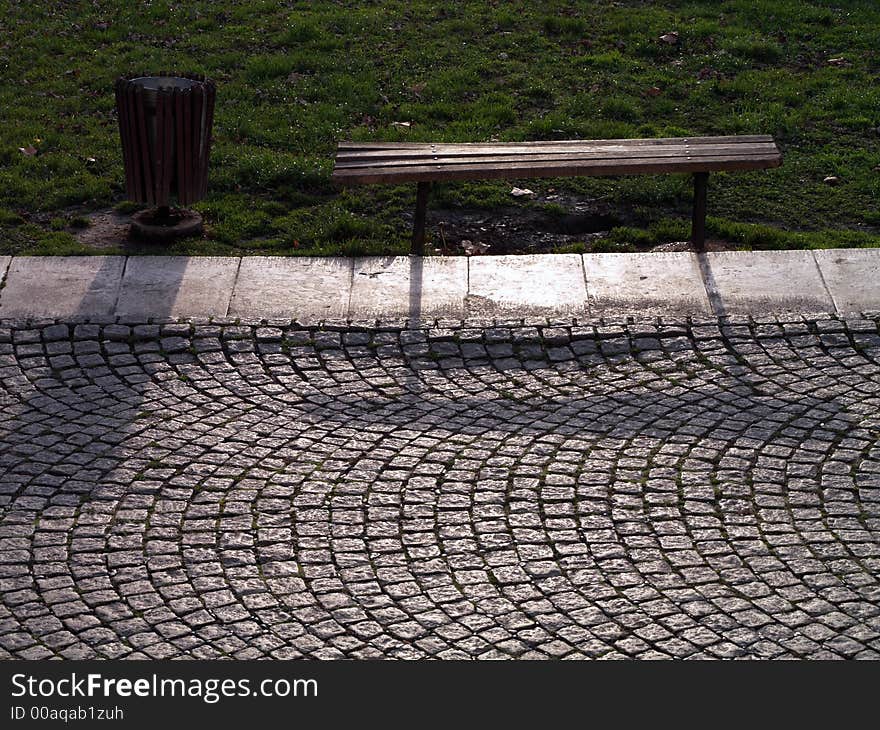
(360,163)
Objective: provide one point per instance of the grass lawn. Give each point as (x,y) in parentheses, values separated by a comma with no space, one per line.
(295,77)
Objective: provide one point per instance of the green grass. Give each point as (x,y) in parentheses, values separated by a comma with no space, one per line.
(296,77)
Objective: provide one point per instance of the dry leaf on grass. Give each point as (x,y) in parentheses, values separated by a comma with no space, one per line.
(474,248)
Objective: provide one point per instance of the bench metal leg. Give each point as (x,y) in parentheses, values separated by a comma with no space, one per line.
(698,222)
(418,239)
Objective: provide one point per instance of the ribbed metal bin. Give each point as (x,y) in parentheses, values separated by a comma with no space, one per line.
(165,125)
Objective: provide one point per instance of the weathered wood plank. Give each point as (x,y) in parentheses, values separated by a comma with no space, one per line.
(554,169)
(550,157)
(198,97)
(180,153)
(144,142)
(185,193)
(140,191)
(377,156)
(449,151)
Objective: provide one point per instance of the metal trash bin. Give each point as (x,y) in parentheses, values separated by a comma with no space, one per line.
(165,126)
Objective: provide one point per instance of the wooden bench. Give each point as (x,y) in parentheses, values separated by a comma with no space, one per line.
(359,163)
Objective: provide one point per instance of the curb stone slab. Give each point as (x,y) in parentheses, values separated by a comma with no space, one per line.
(409,286)
(763,282)
(4,266)
(645,283)
(61,286)
(305,288)
(312,289)
(852,276)
(177,286)
(537,284)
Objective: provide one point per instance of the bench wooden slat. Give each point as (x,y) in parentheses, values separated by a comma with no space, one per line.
(554,169)
(506,152)
(361,163)
(405,160)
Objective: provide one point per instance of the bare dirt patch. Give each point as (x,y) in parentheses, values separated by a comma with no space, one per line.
(106,229)
(556,222)
(560,222)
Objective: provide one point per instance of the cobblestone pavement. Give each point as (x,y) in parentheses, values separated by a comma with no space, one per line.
(556,489)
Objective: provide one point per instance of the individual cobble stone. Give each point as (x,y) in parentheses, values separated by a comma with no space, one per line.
(534,488)
(56,332)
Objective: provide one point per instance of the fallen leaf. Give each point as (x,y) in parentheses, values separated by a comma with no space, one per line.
(521,192)
(671,37)
(474,248)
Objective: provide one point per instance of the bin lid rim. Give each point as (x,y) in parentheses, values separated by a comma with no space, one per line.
(159,83)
